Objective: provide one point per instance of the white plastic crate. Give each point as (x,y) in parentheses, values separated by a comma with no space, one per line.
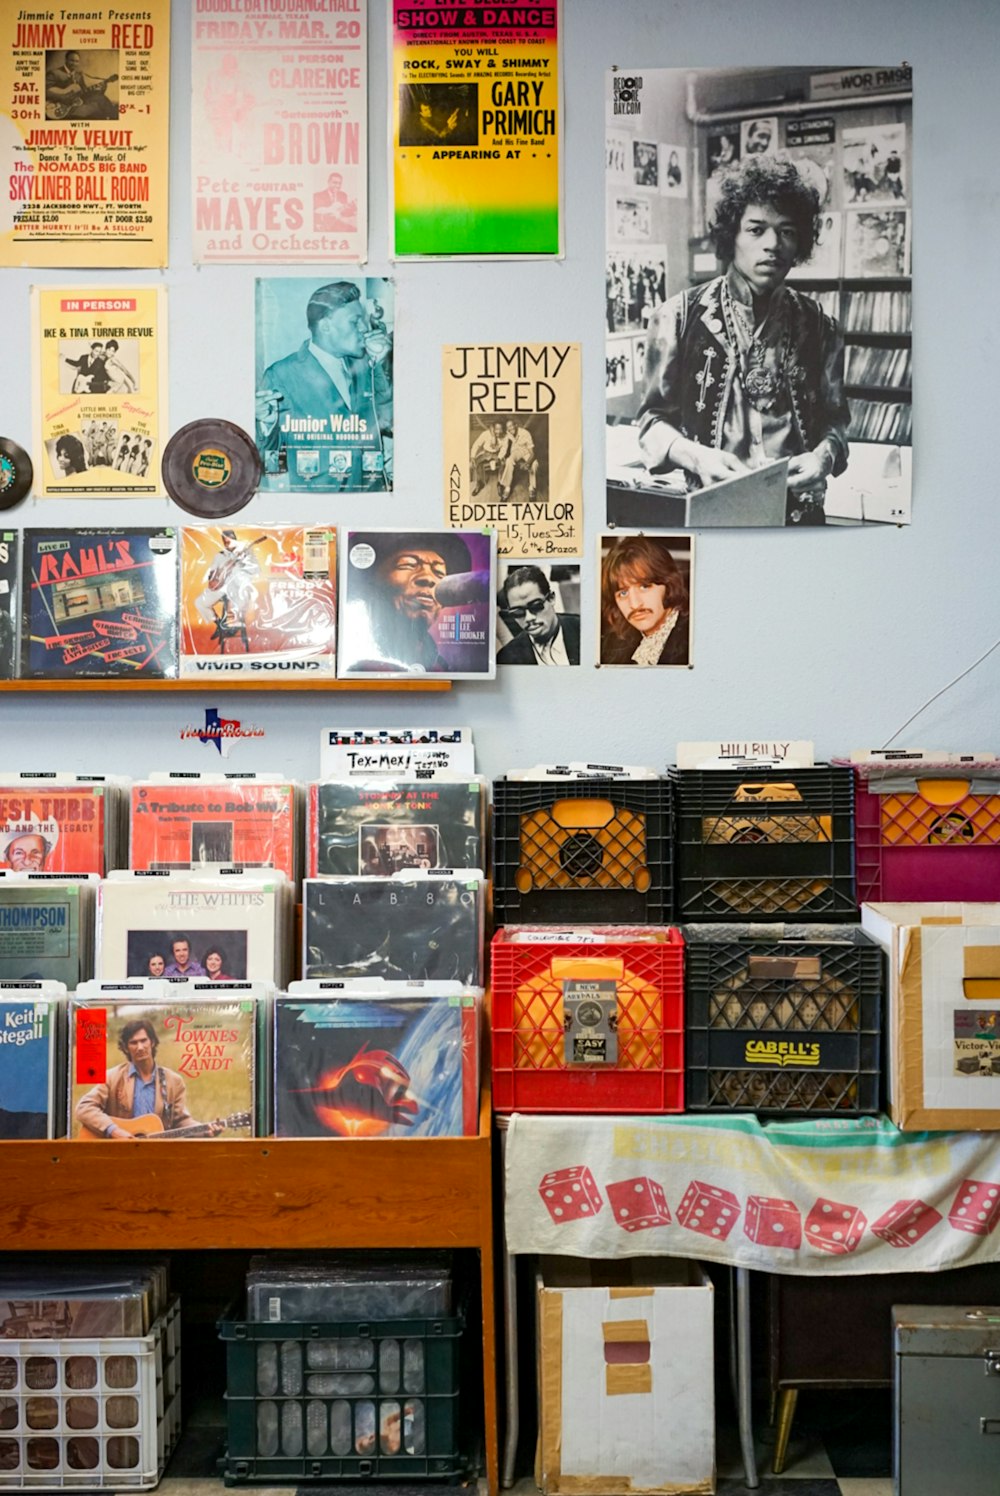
(90,1414)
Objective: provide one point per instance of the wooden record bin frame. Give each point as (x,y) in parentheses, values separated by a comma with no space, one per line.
(259,1193)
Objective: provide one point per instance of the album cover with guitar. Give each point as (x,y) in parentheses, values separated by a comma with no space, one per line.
(175,1068)
(258,601)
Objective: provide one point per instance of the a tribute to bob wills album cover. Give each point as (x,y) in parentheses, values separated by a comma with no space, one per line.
(377,827)
(53,828)
(182,1066)
(227,925)
(258,600)
(98,603)
(369,1067)
(426,928)
(46,929)
(324,383)
(191,824)
(8,604)
(730,401)
(27,1065)
(417,602)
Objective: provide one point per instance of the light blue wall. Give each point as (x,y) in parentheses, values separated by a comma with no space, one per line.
(836,635)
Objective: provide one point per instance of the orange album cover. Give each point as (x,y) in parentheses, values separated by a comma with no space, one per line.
(258,601)
(57,829)
(187,825)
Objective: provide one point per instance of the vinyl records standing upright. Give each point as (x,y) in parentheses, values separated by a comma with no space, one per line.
(211,468)
(16,473)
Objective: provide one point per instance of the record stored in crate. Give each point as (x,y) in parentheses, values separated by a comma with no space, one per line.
(765,844)
(784,1020)
(579,850)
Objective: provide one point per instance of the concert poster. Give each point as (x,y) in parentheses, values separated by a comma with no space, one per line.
(258,602)
(84,126)
(204,1047)
(475,129)
(327,425)
(99,603)
(99,390)
(279,131)
(513,445)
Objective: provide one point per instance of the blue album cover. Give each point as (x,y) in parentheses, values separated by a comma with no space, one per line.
(324,383)
(373,1067)
(27,1083)
(8,604)
(98,603)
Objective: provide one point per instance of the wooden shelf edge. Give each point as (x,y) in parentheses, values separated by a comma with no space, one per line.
(219,683)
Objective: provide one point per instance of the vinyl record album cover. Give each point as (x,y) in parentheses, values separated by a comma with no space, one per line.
(53,829)
(193,1055)
(41,932)
(98,603)
(258,600)
(417,603)
(377,827)
(27,1066)
(402,929)
(374,1067)
(191,824)
(8,604)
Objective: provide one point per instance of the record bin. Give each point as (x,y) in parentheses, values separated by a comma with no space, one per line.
(535,969)
(293,1415)
(926,839)
(90,1414)
(576,850)
(765,844)
(783,1020)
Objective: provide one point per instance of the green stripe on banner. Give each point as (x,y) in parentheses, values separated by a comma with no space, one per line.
(480,232)
(860,1132)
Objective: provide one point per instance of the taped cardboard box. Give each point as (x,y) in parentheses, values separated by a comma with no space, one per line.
(625,1377)
(943,1018)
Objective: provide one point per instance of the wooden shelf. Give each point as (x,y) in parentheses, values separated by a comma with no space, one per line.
(225,682)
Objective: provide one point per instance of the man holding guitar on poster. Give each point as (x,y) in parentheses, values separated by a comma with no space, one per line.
(230,581)
(140,1098)
(70,93)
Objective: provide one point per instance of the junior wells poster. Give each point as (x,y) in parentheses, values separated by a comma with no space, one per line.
(512,445)
(475,122)
(84,95)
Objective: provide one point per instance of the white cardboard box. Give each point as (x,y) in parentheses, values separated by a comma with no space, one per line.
(943,1016)
(626,1382)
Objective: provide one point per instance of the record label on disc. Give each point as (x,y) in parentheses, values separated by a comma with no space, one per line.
(16,473)
(211,468)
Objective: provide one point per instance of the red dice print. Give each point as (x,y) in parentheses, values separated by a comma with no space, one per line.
(570,1194)
(976,1207)
(834,1227)
(708,1209)
(637,1204)
(773,1223)
(906,1222)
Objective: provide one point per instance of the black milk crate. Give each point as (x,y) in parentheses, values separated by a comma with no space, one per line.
(371,1400)
(765,844)
(583,851)
(783,1020)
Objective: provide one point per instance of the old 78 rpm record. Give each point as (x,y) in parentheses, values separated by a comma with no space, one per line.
(211,468)
(16,473)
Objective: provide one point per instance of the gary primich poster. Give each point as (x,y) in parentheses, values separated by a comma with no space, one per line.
(512,445)
(323,407)
(475,129)
(279,138)
(84,143)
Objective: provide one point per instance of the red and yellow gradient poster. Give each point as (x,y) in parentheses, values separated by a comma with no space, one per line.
(476,117)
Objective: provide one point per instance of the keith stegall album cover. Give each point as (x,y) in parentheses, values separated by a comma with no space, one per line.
(417,603)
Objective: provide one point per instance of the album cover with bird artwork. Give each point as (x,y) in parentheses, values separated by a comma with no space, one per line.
(375,1067)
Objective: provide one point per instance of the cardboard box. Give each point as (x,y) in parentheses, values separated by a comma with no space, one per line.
(943,1019)
(625,1377)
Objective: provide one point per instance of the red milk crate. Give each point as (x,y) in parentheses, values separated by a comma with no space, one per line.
(927,836)
(534,1043)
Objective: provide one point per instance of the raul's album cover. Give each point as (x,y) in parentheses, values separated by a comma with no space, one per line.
(370,1067)
(98,603)
(417,603)
(258,601)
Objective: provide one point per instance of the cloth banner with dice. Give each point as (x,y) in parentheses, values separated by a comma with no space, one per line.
(833,1196)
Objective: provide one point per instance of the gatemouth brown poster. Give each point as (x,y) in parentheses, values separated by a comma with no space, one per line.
(84,127)
(513,445)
